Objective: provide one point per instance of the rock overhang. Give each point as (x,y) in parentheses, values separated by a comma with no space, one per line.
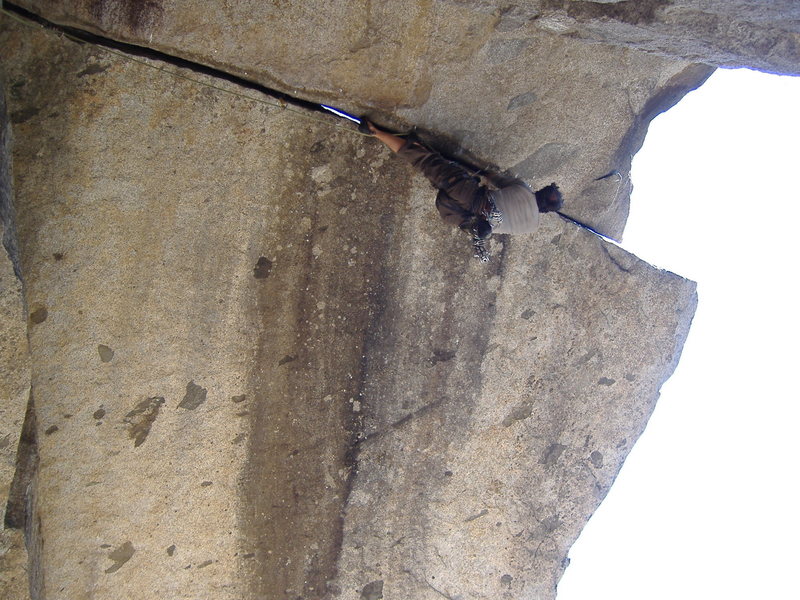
(526,98)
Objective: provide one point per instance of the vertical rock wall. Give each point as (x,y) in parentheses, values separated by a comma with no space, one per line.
(262,368)
(486,447)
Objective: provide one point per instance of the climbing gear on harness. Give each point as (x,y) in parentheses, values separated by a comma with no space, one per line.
(481,252)
(491,213)
(478,227)
(480,231)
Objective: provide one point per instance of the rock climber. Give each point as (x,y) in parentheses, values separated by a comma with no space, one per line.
(510,206)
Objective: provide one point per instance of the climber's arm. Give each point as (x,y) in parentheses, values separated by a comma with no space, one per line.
(393,142)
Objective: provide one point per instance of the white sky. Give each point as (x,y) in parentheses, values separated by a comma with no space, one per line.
(707,504)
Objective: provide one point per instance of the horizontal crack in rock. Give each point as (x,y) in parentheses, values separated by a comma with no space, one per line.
(145,52)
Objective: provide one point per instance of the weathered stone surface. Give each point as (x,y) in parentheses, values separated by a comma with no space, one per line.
(479,470)
(726,33)
(262,368)
(14,374)
(480,74)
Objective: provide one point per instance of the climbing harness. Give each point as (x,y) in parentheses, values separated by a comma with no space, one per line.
(493,215)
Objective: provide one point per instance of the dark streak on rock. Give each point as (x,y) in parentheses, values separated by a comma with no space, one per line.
(194,397)
(51,430)
(286,359)
(634,12)
(92,70)
(39,316)
(606,381)
(106,353)
(483,513)
(615,262)
(552,454)
(286,510)
(518,413)
(17,515)
(141,419)
(25,114)
(138,15)
(373,590)
(521,100)
(403,420)
(550,524)
(586,358)
(120,556)
(263,268)
(440,355)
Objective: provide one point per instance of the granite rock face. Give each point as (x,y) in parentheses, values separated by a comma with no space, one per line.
(489,81)
(726,33)
(262,368)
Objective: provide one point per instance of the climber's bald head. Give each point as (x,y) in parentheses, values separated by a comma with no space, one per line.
(549,198)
